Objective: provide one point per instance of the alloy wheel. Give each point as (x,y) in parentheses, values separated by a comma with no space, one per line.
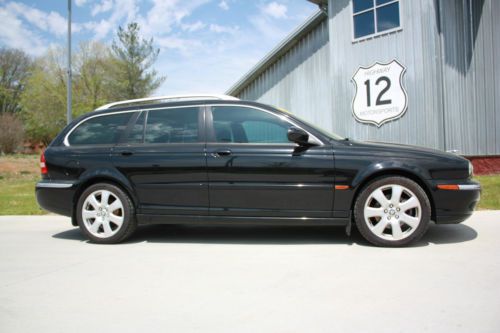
(103,213)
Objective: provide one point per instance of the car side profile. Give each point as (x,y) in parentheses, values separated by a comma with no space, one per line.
(214,159)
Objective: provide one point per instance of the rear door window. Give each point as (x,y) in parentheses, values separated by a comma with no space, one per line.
(100,130)
(174,125)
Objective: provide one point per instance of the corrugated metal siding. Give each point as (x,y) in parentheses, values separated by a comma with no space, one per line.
(450,49)
(299,81)
(416,46)
(471,49)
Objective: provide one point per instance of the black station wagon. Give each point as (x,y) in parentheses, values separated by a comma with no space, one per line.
(215,159)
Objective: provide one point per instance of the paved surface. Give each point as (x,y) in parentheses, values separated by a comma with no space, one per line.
(247,279)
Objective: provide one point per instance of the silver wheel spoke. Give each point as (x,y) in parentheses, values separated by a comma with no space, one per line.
(104,198)
(118,220)
(409,220)
(115,205)
(374,212)
(380,197)
(94,228)
(380,227)
(397,233)
(107,228)
(89,214)
(92,200)
(409,204)
(396,194)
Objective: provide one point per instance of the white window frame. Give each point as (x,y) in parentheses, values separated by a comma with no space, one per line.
(374,8)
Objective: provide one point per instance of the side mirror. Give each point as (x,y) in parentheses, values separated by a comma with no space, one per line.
(298,136)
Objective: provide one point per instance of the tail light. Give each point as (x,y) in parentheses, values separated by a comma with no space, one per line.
(43,166)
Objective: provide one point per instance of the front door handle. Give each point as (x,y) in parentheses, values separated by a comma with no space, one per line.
(221,152)
(127,153)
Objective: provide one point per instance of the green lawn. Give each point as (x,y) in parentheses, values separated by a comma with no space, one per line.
(490,195)
(19,174)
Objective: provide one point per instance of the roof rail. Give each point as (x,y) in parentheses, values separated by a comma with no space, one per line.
(171,97)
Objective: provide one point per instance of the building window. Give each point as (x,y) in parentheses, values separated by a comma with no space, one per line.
(371,17)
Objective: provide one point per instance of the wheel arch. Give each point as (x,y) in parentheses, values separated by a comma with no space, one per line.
(395,172)
(89,181)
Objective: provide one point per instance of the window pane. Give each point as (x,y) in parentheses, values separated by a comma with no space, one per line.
(172,126)
(100,130)
(364,24)
(137,132)
(359,5)
(381,2)
(247,125)
(388,17)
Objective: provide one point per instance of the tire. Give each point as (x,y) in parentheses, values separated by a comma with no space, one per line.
(392,222)
(107,222)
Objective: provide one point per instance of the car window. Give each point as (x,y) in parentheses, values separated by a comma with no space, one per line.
(247,125)
(176,125)
(100,130)
(136,134)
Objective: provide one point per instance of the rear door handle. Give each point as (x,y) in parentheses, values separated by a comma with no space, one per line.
(127,153)
(221,152)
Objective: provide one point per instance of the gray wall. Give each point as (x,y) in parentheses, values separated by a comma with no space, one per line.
(450,49)
(299,81)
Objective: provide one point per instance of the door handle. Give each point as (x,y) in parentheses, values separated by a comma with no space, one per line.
(127,153)
(221,152)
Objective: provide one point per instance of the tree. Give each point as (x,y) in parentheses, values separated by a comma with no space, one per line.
(44,99)
(15,66)
(92,77)
(133,76)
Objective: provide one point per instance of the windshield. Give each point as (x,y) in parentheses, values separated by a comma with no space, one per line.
(326,133)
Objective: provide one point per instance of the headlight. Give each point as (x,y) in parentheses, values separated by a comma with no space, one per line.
(471,169)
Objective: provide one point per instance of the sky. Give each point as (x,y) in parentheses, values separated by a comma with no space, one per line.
(205,45)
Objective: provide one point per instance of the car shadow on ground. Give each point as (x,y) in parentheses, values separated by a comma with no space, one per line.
(437,234)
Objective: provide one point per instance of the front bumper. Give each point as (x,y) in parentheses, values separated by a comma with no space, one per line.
(455,205)
(56,197)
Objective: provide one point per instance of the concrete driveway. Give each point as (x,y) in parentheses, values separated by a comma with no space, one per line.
(247,279)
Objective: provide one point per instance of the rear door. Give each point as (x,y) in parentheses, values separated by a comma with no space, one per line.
(255,171)
(163,156)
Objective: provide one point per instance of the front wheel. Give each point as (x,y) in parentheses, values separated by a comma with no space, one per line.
(106,214)
(392,211)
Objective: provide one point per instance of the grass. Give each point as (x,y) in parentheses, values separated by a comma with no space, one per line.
(490,195)
(19,174)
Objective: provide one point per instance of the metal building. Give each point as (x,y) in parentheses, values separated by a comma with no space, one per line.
(448,52)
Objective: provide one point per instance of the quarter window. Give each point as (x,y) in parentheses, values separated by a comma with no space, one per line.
(100,130)
(246,125)
(372,17)
(172,126)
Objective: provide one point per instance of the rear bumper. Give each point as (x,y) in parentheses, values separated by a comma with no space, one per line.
(455,206)
(56,197)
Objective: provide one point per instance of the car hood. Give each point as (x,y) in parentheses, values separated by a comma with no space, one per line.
(402,150)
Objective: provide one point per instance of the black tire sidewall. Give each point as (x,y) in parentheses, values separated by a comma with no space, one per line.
(359,217)
(129,222)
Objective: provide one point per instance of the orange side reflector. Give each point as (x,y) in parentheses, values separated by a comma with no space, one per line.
(448,187)
(341,187)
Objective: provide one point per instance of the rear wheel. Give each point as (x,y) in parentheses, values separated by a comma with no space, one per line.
(106,214)
(392,211)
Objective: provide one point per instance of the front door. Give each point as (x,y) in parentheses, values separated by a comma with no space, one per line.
(162,155)
(255,171)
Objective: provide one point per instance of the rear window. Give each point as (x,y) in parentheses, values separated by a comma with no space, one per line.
(100,130)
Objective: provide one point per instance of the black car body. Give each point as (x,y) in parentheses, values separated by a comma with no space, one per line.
(225,161)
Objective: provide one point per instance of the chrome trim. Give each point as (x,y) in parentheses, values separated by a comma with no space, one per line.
(170,97)
(469,187)
(53,185)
